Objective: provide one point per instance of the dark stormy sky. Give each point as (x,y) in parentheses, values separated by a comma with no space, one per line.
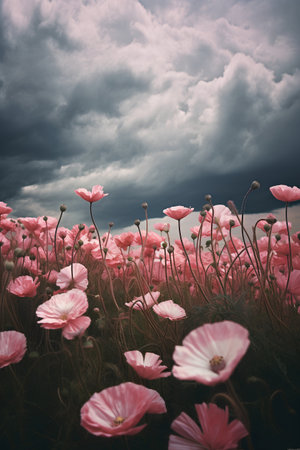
(158,101)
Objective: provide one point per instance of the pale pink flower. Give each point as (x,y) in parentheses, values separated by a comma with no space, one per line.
(162,226)
(221,215)
(23,286)
(124,240)
(117,410)
(31,224)
(178,212)
(169,310)
(65,311)
(145,302)
(4,209)
(12,347)
(285,193)
(80,277)
(148,367)
(96,194)
(215,432)
(210,353)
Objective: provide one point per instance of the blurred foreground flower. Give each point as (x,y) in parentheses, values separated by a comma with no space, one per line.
(65,311)
(23,286)
(210,353)
(12,347)
(117,410)
(148,367)
(216,432)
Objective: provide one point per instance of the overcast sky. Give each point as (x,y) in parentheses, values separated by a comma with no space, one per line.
(158,101)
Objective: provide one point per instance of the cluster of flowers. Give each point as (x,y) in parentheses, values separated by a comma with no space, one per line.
(57,259)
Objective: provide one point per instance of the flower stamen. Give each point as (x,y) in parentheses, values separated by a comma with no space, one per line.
(217,363)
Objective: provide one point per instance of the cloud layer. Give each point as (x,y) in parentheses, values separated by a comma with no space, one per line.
(157,101)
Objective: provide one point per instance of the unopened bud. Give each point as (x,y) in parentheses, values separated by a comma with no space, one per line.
(271,220)
(193,236)
(247,265)
(32,257)
(206,207)
(255,185)
(267,227)
(208,243)
(105,250)
(164,244)
(277,237)
(45,218)
(80,243)
(63,208)
(208,197)
(145,205)
(137,222)
(130,258)
(203,213)
(80,227)
(231,223)
(111,224)
(9,265)
(170,249)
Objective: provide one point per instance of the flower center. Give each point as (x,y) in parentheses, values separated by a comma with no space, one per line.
(63,316)
(118,420)
(217,363)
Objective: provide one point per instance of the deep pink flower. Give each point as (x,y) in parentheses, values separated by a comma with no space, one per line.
(215,432)
(210,353)
(117,410)
(178,212)
(23,286)
(148,367)
(80,277)
(145,302)
(4,209)
(96,194)
(169,310)
(285,193)
(65,311)
(12,347)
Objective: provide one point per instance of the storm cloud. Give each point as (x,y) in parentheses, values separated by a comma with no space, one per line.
(161,102)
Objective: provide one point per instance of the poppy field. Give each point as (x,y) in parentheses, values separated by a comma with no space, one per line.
(134,341)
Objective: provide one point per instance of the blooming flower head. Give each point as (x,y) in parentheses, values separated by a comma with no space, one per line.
(96,194)
(215,433)
(285,193)
(210,353)
(23,286)
(65,311)
(80,277)
(117,410)
(162,226)
(148,367)
(4,209)
(178,212)
(12,347)
(144,302)
(169,310)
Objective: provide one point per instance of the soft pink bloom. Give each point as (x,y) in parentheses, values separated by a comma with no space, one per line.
(178,212)
(124,240)
(12,347)
(221,215)
(285,193)
(169,310)
(210,353)
(23,286)
(4,209)
(117,410)
(31,224)
(162,226)
(96,194)
(65,311)
(80,277)
(148,367)
(145,302)
(215,432)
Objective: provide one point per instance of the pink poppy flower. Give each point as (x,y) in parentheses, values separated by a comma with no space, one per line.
(96,194)
(124,240)
(210,353)
(23,286)
(12,347)
(117,410)
(285,193)
(146,302)
(162,226)
(65,311)
(178,212)
(148,367)
(169,310)
(215,432)
(4,209)
(80,277)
